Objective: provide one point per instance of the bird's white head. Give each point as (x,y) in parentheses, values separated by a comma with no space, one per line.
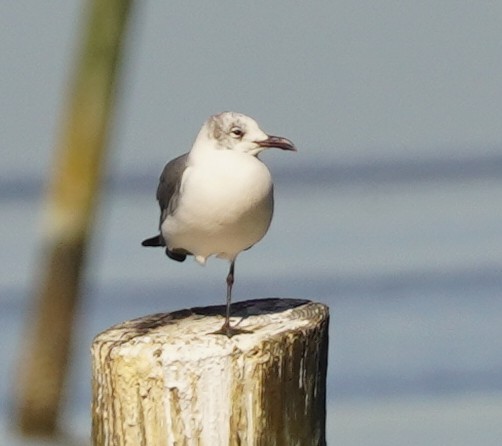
(239,133)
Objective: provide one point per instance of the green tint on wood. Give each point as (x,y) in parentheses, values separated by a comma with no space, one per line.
(71,202)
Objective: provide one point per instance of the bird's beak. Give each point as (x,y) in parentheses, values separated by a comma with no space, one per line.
(278,142)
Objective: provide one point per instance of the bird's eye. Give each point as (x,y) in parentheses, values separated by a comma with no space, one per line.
(236,132)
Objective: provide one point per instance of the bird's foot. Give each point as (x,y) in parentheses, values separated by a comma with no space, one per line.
(229,331)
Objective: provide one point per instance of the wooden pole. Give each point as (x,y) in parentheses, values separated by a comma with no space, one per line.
(71,202)
(166,380)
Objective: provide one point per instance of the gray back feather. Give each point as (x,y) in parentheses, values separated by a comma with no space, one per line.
(169,186)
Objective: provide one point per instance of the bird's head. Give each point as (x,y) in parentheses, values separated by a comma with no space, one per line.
(240,133)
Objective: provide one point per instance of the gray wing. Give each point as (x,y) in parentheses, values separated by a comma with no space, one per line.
(169,186)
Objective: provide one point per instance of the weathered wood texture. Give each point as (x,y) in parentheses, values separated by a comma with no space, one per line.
(166,380)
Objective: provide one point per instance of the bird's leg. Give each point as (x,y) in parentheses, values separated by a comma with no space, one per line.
(230,282)
(226,329)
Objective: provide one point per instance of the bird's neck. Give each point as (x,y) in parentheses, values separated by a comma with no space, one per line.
(203,144)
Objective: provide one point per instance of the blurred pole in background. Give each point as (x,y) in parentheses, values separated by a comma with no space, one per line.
(70,207)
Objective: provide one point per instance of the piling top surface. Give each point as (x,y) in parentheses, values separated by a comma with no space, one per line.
(263,318)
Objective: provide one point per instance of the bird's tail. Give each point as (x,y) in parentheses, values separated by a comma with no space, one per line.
(154,241)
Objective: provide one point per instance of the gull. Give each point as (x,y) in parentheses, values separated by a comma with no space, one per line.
(218,199)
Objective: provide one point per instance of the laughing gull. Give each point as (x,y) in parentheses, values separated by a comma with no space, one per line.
(218,198)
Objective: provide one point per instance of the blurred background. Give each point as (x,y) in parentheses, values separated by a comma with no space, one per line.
(390,212)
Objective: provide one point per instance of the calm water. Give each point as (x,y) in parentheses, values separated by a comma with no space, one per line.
(408,263)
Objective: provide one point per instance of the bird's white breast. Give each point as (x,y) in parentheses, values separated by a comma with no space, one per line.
(226,205)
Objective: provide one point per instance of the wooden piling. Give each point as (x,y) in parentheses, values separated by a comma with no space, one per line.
(166,380)
(71,201)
